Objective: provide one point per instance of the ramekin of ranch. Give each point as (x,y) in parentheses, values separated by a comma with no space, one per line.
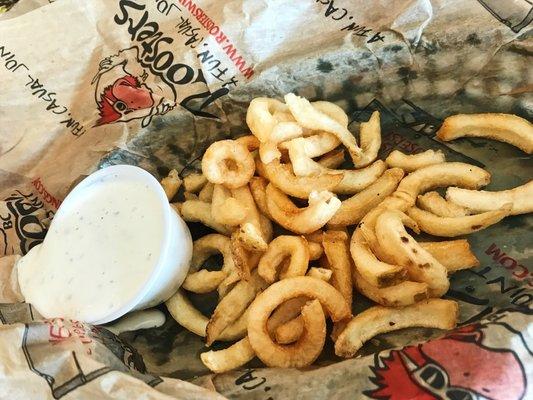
(114,246)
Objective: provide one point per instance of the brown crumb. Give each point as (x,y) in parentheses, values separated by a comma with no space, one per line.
(419,297)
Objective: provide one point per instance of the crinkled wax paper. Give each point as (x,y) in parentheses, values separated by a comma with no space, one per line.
(193,66)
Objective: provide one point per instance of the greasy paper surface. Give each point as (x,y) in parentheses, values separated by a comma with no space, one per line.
(62,101)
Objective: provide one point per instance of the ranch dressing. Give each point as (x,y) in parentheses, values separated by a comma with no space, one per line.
(99,252)
(137,320)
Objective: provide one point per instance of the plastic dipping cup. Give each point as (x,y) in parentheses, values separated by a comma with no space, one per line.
(114,246)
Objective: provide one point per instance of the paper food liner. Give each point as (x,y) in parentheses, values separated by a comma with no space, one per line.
(190,69)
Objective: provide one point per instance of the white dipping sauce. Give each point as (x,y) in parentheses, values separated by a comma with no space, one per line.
(99,252)
(134,321)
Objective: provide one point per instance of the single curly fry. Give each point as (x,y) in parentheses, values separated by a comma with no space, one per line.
(439,175)
(286,323)
(227,210)
(457,226)
(432,313)
(368,224)
(370,140)
(204,248)
(367,228)
(186,314)
(285,312)
(200,211)
(260,118)
(337,251)
(357,180)
(507,128)
(244,259)
(310,329)
(208,246)
(434,203)
(203,281)
(352,210)
(194,182)
(412,162)
(253,232)
(171,183)
(290,331)
(374,271)
(258,186)
(206,194)
(230,358)
(322,207)
(305,350)
(283,177)
(228,163)
(400,246)
(282,247)
(520,197)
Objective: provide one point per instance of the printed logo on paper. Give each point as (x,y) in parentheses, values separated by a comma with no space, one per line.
(125,90)
(165,65)
(463,365)
(22,222)
(82,353)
